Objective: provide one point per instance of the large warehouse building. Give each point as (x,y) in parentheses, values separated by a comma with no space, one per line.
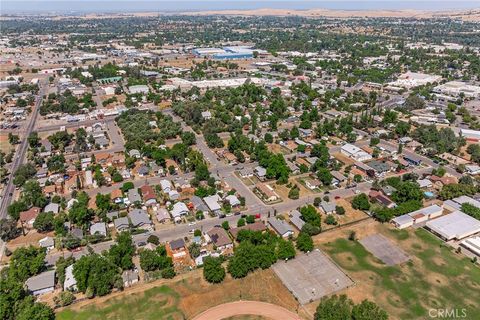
(234,52)
(456,225)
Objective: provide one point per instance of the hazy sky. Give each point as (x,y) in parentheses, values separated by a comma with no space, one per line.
(12,6)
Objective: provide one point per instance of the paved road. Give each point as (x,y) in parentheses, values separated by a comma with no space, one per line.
(21,151)
(228,310)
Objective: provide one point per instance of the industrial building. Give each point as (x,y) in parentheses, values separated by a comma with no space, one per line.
(457,88)
(411,80)
(456,225)
(234,52)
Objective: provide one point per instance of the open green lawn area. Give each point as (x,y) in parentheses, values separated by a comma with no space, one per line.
(435,277)
(156,303)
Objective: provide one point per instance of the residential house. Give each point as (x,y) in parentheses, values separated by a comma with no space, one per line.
(267,192)
(355,152)
(233,200)
(48,243)
(41,283)
(52,207)
(220,238)
(70,283)
(179,210)
(282,228)
(328,207)
(27,217)
(312,184)
(139,218)
(198,204)
(162,215)
(296,219)
(99,228)
(178,250)
(381,199)
(134,153)
(166,186)
(121,224)
(212,203)
(148,195)
(256,226)
(116,196)
(260,173)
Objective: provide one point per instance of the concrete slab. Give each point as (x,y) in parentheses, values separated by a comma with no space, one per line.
(311,276)
(384,249)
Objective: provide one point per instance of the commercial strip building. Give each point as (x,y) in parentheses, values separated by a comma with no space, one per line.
(456,225)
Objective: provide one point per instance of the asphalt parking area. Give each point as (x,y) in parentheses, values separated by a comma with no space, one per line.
(311,276)
(384,249)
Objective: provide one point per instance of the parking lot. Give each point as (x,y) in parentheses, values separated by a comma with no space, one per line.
(384,249)
(311,276)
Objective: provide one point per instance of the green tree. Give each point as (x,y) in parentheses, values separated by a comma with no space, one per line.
(304,242)
(368,310)
(213,271)
(361,202)
(44,222)
(334,308)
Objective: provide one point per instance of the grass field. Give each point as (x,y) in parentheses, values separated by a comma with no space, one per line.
(435,277)
(183,299)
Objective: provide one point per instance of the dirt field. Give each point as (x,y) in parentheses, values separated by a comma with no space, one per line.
(187,296)
(4,145)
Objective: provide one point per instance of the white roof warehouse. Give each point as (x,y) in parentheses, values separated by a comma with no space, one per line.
(456,225)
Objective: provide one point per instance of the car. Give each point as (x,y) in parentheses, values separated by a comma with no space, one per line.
(357,191)
(191,231)
(192,223)
(337,197)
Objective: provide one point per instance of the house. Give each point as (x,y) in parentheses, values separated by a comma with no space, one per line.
(424,183)
(162,215)
(177,249)
(266,191)
(70,283)
(338,178)
(173,194)
(296,220)
(381,199)
(121,224)
(246,173)
(472,169)
(77,233)
(148,195)
(143,170)
(47,243)
(52,207)
(280,227)
(134,153)
(27,218)
(233,200)
(166,186)
(403,221)
(129,278)
(426,213)
(179,209)
(198,204)
(116,196)
(412,160)
(99,228)
(206,115)
(41,283)
(212,203)
(139,218)
(388,190)
(112,215)
(355,152)
(220,238)
(260,173)
(328,207)
(256,226)
(313,184)
(134,196)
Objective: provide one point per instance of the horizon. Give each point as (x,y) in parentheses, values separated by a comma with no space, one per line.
(167,6)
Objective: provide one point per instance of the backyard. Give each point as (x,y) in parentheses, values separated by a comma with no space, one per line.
(435,278)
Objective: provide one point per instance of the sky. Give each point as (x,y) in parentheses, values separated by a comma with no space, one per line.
(101,6)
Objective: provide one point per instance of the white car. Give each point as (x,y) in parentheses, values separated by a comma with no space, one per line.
(192,223)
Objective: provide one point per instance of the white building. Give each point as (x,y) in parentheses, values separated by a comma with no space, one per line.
(355,153)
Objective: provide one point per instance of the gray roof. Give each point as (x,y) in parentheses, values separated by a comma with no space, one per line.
(41,281)
(139,217)
(52,207)
(134,196)
(403,219)
(328,206)
(77,233)
(98,227)
(121,223)
(280,226)
(113,214)
(296,220)
(177,244)
(101,141)
(198,203)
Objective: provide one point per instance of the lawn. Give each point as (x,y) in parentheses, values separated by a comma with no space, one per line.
(435,278)
(156,303)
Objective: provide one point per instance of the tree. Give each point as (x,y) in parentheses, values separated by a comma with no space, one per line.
(361,202)
(122,252)
(13,138)
(8,229)
(213,271)
(225,225)
(194,250)
(44,222)
(33,139)
(325,176)
(27,262)
(285,249)
(310,229)
(294,193)
(188,138)
(28,309)
(32,194)
(65,298)
(15,208)
(240,222)
(95,274)
(127,186)
(310,215)
(149,260)
(304,242)
(367,310)
(339,210)
(153,239)
(23,173)
(268,137)
(330,219)
(250,219)
(334,308)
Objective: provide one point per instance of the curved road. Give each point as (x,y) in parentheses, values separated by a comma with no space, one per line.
(257,308)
